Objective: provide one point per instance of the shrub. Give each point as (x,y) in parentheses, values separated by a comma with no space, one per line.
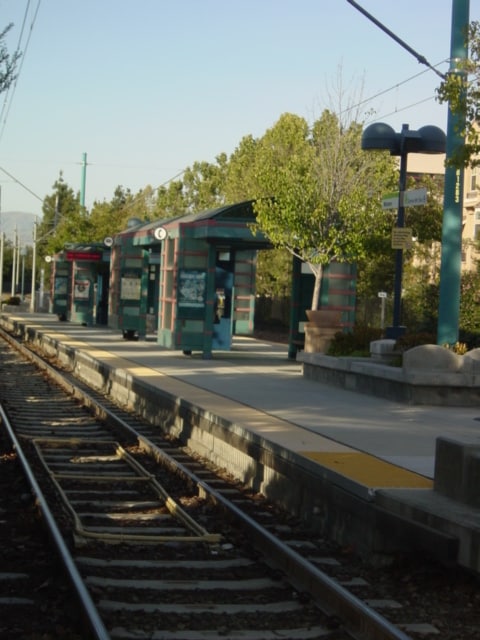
(12,300)
(355,342)
(410,340)
(470,338)
(459,348)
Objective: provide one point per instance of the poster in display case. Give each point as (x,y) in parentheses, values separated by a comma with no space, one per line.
(192,285)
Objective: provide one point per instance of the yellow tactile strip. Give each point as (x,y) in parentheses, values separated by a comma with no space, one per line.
(368,470)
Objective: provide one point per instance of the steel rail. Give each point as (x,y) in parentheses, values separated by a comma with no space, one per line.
(330,596)
(95,622)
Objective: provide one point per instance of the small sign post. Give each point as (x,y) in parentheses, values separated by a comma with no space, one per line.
(383,297)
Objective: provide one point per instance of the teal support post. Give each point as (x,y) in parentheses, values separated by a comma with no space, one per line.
(450,267)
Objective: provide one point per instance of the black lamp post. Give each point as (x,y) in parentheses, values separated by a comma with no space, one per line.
(428,139)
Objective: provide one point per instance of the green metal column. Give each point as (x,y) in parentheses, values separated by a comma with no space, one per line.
(450,268)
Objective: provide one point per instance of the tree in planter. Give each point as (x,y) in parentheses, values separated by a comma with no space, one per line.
(318,194)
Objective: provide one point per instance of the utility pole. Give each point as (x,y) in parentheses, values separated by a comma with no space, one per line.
(34,268)
(83,180)
(14,263)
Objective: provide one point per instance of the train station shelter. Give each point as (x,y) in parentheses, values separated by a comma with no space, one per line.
(191,279)
(80,280)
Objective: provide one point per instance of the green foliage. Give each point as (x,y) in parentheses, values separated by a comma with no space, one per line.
(459,348)
(274,273)
(470,302)
(62,219)
(410,340)
(171,200)
(319,193)
(420,302)
(355,342)
(201,187)
(470,338)
(426,221)
(12,300)
(241,181)
(108,218)
(462,92)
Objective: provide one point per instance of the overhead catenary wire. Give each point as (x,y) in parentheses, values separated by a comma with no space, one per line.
(396,86)
(409,106)
(392,35)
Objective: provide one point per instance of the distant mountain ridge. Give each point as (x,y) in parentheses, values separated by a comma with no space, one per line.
(23,222)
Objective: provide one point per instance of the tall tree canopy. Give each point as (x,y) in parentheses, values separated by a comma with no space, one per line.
(318,193)
(62,221)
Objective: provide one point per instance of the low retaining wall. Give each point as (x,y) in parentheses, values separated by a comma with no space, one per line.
(421,379)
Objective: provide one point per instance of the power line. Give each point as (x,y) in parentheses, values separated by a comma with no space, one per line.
(21,184)
(410,106)
(396,86)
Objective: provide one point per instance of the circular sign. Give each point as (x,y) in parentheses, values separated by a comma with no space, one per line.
(160,233)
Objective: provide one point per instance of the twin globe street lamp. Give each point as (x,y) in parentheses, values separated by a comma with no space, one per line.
(428,139)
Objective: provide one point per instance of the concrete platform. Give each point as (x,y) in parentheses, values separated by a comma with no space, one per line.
(358,468)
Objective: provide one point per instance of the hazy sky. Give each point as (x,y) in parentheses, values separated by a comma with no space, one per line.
(147,87)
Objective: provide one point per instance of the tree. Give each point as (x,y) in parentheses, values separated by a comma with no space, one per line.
(201,187)
(318,194)
(108,218)
(204,185)
(241,182)
(62,219)
(462,92)
(171,201)
(8,63)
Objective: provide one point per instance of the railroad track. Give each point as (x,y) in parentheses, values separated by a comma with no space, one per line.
(155,544)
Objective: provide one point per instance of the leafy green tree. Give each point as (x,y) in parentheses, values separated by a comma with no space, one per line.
(470,302)
(204,184)
(108,218)
(241,182)
(62,219)
(274,273)
(201,187)
(8,63)
(469,321)
(319,194)
(171,200)
(426,221)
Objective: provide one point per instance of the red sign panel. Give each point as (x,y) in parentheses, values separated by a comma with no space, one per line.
(83,255)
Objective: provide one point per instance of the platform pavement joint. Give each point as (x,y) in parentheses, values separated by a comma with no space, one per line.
(374,521)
